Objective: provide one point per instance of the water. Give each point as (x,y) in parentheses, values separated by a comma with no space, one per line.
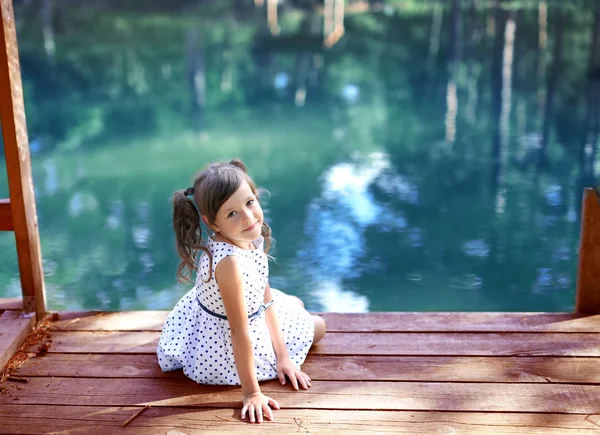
(429,160)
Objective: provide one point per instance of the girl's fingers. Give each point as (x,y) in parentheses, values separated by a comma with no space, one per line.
(244,409)
(302,380)
(281,377)
(307,379)
(259,414)
(268,412)
(273,403)
(251,413)
(294,380)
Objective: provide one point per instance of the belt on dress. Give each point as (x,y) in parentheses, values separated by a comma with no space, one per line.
(251,317)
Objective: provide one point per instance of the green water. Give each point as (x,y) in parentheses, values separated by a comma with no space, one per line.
(431,160)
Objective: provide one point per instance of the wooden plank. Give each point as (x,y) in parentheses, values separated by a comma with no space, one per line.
(12,334)
(111,321)
(6,223)
(175,420)
(364,343)
(361,322)
(10,314)
(396,396)
(588,273)
(345,368)
(461,322)
(18,166)
(11,304)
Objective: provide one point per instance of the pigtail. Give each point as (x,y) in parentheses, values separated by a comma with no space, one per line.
(265,231)
(188,235)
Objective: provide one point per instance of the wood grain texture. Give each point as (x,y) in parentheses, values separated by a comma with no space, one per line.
(588,273)
(398,396)
(72,420)
(18,166)
(364,343)
(346,368)
(12,334)
(11,304)
(363,382)
(361,322)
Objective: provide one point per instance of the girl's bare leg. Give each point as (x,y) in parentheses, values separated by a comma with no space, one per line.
(320,328)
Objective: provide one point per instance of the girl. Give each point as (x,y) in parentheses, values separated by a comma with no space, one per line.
(232,328)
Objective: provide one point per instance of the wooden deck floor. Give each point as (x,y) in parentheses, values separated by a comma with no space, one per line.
(406,373)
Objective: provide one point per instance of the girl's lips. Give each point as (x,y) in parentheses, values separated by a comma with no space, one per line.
(252,227)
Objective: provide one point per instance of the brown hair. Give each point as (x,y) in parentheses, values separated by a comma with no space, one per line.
(211,188)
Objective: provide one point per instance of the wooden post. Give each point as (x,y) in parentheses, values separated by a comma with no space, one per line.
(18,166)
(588,273)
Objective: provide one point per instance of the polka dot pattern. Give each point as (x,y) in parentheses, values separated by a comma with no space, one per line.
(200,343)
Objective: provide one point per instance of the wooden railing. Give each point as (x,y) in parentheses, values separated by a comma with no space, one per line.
(18,213)
(588,273)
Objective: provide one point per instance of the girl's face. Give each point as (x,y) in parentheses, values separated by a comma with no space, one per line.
(240,218)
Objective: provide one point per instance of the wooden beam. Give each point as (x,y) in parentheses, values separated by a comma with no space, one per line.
(430,368)
(357,322)
(483,344)
(18,166)
(588,274)
(6,223)
(11,304)
(19,418)
(13,331)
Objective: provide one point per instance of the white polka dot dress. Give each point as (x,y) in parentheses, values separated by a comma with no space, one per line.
(196,336)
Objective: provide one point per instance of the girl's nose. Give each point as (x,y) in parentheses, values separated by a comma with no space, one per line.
(248,215)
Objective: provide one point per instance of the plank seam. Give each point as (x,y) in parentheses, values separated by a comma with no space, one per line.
(365,381)
(359,331)
(235,405)
(371,355)
(191,407)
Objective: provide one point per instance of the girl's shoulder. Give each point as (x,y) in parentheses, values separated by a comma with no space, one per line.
(218,251)
(206,265)
(216,246)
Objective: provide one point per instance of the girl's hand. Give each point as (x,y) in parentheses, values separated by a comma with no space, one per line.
(256,404)
(285,367)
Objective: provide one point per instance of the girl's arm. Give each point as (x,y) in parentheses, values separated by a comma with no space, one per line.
(275,330)
(284,365)
(231,286)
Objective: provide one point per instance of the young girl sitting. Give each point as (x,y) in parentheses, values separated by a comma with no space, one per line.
(232,328)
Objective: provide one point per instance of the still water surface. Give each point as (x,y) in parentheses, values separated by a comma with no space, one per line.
(432,159)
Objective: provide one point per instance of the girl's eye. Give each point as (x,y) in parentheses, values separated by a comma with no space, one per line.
(232,214)
(250,202)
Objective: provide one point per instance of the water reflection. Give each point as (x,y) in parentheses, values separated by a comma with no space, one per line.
(420,156)
(335,230)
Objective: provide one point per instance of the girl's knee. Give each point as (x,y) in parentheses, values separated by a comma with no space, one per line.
(320,328)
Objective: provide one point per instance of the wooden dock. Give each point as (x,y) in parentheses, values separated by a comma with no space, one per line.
(404,373)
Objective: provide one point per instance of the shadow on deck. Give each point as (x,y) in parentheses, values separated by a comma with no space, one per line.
(373,373)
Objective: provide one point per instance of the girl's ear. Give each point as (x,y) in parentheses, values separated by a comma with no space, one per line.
(212,227)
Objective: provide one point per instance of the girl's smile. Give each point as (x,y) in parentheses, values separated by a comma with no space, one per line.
(240,218)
